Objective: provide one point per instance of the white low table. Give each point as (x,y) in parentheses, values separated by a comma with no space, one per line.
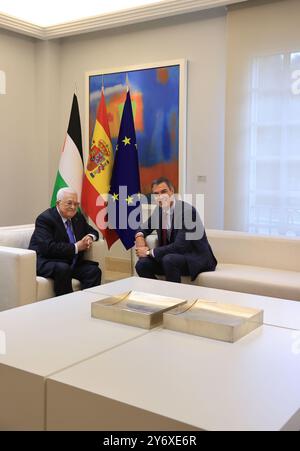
(277,312)
(167,380)
(65,370)
(41,339)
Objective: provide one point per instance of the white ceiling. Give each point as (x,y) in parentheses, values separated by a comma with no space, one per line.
(51,19)
(52,12)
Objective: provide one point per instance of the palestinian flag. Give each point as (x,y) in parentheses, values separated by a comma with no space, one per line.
(70,170)
(96,182)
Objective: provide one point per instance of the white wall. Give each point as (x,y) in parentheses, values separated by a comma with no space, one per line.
(41,78)
(20,166)
(48,84)
(199,38)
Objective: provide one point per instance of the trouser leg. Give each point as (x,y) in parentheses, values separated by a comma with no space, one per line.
(174,266)
(88,274)
(148,267)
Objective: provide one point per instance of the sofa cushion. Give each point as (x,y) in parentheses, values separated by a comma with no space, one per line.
(253,279)
(45,290)
(257,250)
(18,237)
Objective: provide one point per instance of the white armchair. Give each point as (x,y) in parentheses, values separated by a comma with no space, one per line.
(19,283)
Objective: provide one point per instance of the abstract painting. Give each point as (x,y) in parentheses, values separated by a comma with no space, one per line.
(155,94)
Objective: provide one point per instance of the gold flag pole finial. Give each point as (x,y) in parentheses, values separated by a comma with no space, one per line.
(127,82)
(102,88)
(75,89)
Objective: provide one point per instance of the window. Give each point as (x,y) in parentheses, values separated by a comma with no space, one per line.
(2,82)
(274,192)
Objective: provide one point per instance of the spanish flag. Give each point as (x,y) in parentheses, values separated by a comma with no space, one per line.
(96,181)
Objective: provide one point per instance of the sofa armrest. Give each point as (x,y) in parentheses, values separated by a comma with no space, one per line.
(97,253)
(17,277)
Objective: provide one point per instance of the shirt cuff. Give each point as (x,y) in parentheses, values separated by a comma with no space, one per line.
(76,248)
(93,236)
(152,253)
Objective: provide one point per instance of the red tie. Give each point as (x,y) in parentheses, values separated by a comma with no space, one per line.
(164,229)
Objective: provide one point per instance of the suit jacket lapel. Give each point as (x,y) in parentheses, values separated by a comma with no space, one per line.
(60,223)
(177,219)
(171,235)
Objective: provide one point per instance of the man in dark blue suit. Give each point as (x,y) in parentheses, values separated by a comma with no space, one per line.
(183,248)
(60,238)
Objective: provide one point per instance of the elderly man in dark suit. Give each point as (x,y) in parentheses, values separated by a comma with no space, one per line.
(183,248)
(60,238)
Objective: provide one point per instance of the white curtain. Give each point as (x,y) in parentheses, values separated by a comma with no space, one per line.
(274,189)
(262,155)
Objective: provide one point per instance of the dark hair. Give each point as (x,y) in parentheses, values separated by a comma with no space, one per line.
(163,180)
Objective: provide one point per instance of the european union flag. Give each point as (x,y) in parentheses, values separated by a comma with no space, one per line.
(125,181)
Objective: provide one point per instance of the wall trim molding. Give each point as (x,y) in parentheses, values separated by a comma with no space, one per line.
(112,20)
(21,26)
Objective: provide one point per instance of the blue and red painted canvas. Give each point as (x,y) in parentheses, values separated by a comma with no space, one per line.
(155,102)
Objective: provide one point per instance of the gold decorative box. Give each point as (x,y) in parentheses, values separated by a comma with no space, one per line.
(135,308)
(210,319)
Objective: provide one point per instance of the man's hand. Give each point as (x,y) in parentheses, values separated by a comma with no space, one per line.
(85,243)
(141,251)
(140,242)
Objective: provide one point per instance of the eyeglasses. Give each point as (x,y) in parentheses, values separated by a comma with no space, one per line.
(69,203)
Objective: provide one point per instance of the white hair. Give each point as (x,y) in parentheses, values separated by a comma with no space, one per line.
(62,191)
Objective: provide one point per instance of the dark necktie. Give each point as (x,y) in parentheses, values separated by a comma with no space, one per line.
(70,232)
(71,238)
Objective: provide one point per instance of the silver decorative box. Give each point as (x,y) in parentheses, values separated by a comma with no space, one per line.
(135,308)
(210,319)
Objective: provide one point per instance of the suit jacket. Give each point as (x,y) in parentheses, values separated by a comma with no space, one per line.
(187,237)
(50,239)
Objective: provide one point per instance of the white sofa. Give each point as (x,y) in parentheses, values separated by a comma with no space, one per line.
(264,265)
(19,284)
